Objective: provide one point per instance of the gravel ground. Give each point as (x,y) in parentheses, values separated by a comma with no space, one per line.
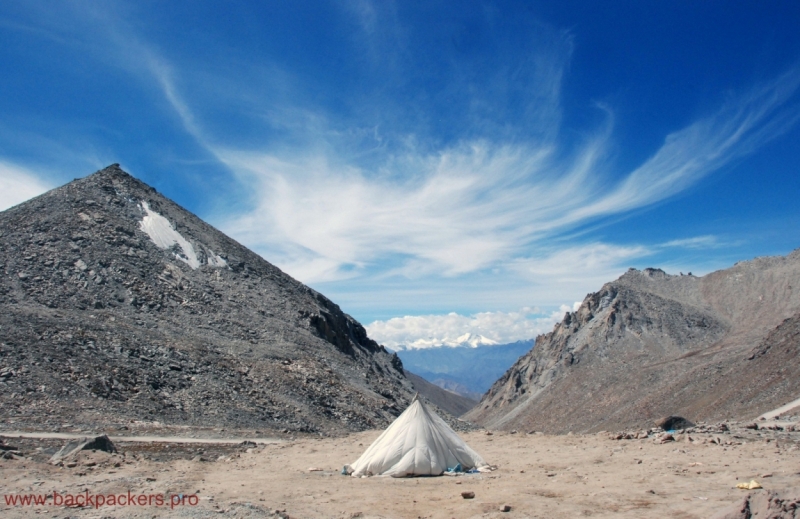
(537,476)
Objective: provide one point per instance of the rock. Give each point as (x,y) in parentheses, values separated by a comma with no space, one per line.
(505,508)
(764,504)
(101,443)
(666,437)
(468,495)
(673,423)
(752,425)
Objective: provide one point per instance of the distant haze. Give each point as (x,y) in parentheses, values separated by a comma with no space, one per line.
(469,371)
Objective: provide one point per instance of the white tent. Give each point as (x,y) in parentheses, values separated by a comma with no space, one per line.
(417,443)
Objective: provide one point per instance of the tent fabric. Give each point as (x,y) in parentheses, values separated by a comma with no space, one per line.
(417,443)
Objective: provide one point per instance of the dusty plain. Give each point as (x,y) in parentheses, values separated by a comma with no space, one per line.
(538,476)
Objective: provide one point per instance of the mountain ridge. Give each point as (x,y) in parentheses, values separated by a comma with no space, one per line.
(650,344)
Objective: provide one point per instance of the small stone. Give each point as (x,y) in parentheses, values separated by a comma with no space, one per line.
(505,508)
(468,495)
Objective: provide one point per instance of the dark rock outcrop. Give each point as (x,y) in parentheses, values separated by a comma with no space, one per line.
(671,423)
(767,503)
(116,304)
(651,344)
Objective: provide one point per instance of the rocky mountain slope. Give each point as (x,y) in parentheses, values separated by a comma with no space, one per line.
(116,304)
(721,346)
(450,401)
(467,370)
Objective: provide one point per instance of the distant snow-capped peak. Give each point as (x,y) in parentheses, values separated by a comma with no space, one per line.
(467,340)
(472,340)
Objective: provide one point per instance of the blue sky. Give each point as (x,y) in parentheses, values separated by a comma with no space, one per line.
(435,168)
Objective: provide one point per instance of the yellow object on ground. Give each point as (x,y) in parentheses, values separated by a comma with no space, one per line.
(749,486)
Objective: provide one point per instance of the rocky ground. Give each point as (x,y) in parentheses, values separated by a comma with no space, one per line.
(694,475)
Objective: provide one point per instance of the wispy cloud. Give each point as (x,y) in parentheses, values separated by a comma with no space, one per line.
(696,242)
(478,202)
(741,125)
(481,203)
(567,262)
(470,185)
(18,185)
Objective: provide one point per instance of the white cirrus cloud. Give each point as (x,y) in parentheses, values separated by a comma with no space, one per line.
(420,207)
(17,185)
(476,204)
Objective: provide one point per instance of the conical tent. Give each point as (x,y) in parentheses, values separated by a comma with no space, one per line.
(417,443)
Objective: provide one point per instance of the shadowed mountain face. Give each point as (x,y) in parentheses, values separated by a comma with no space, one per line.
(118,304)
(449,401)
(650,344)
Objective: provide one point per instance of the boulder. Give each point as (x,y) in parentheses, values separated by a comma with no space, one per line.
(99,443)
(673,423)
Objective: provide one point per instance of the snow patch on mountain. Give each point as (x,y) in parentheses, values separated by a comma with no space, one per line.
(161,232)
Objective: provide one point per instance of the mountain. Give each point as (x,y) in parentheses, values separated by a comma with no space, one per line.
(471,340)
(721,346)
(450,401)
(116,304)
(467,340)
(466,370)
